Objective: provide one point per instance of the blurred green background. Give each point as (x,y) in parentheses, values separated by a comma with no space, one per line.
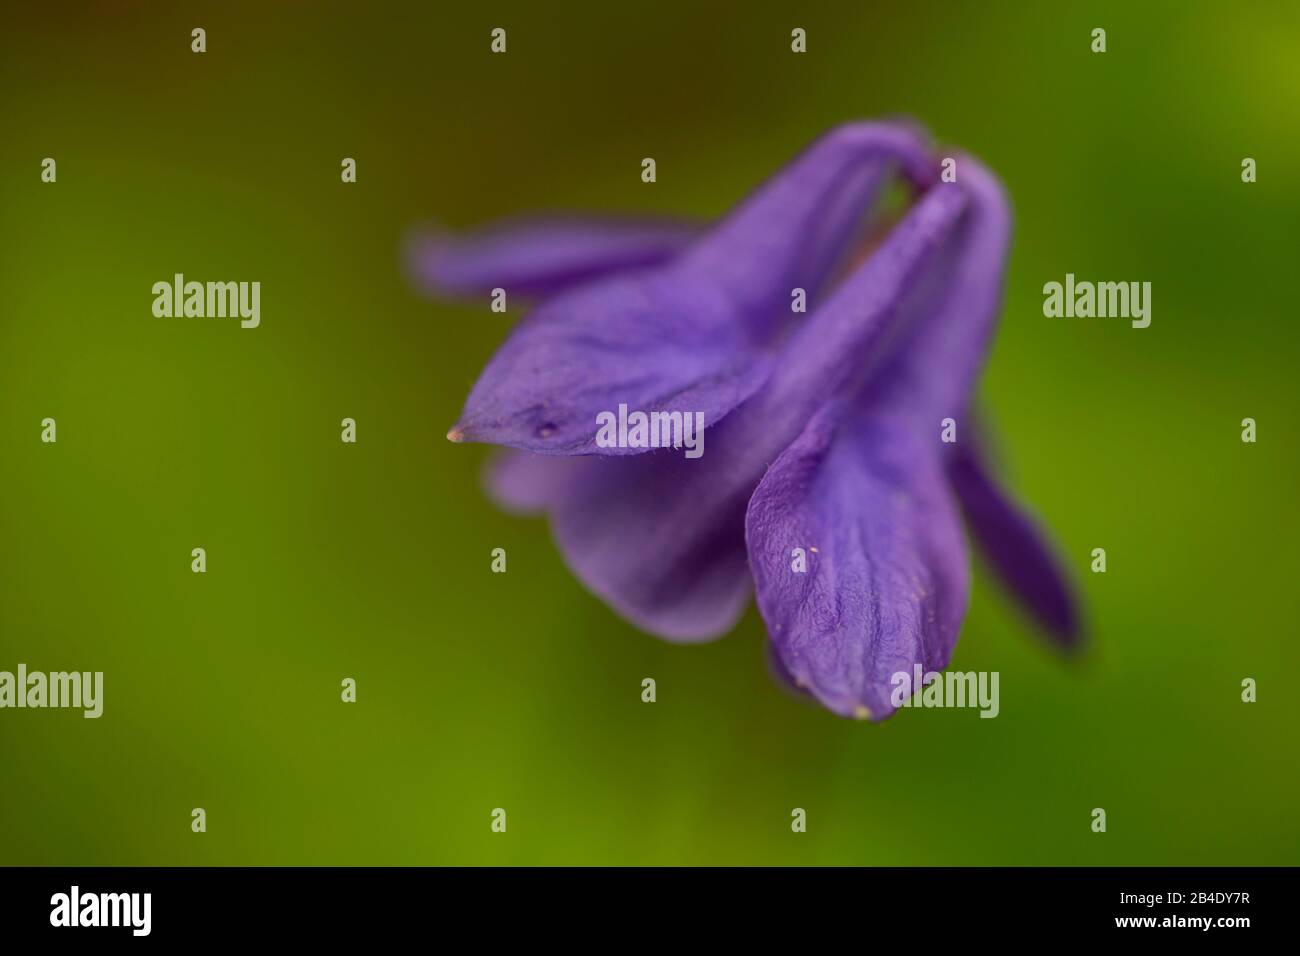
(478,690)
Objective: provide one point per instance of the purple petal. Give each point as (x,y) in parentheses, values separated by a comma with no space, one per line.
(865,485)
(661,537)
(540,257)
(886,584)
(658,537)
(649,343)
(932,376)
(1014,546)
(841,345)
(795,229)
(700,594)
(526,484)
(693,336)
(931,373)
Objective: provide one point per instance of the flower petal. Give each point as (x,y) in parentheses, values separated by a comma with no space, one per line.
(794,230)
(887,582)
(700,594)
(931,373)
(865,485)
(932,376)
(661,537)
(658,538)
(693,336)
(540,256)
(649,343)
(1014,546)
(526,484)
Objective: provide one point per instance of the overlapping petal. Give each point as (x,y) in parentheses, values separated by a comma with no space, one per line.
(649,342)
(886,581)
(661,537)
(822,431)
(1014,544)
(865,485)
(696,333)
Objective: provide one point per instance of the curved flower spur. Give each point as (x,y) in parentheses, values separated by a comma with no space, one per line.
(824,429)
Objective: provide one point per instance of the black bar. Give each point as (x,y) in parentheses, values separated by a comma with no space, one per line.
(876,906)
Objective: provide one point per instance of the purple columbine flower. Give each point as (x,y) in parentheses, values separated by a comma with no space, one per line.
(824,428)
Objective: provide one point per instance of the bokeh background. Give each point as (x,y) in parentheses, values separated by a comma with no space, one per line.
(522,691)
